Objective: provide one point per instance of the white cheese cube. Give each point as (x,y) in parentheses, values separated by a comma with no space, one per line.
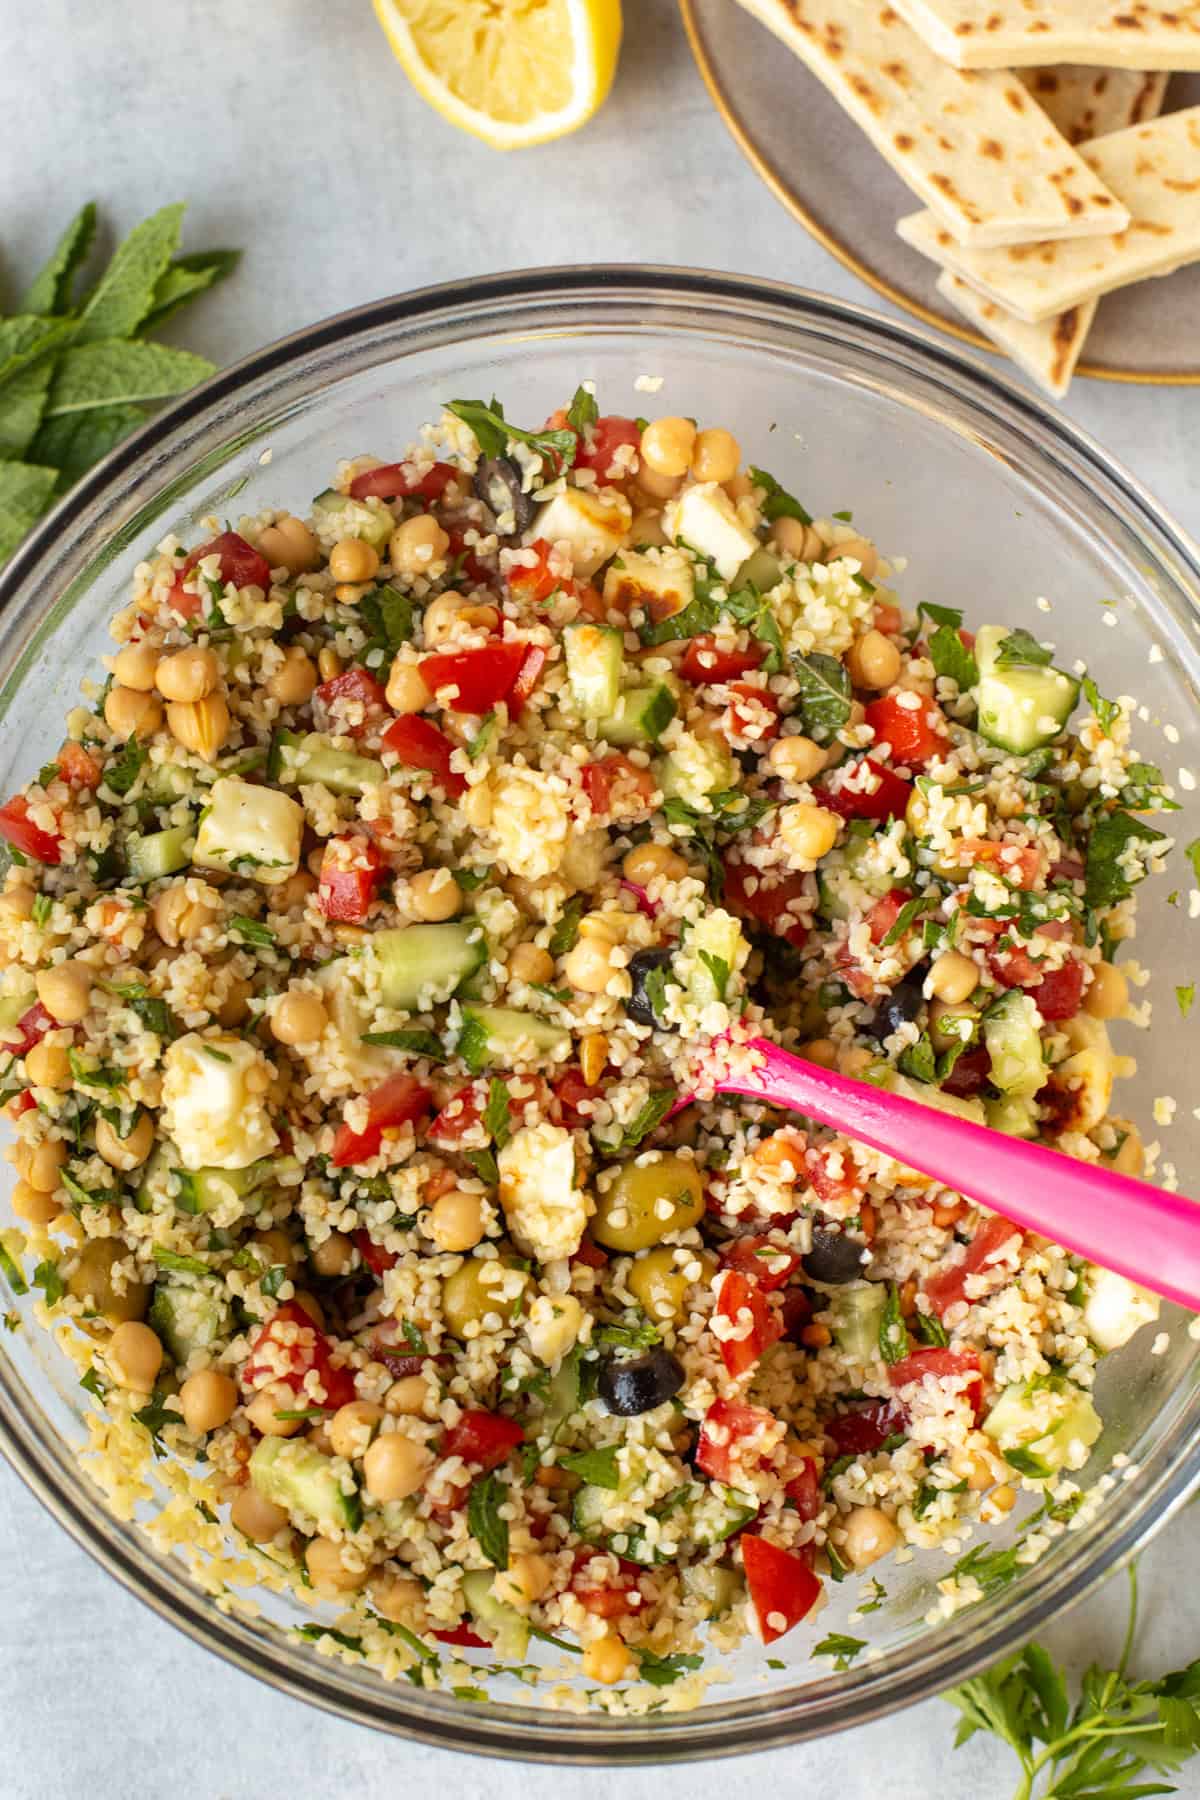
(662,584)
(251,831)
(1115,1308)
(546,1212)
(591,527)
(705,518)
(213,1102)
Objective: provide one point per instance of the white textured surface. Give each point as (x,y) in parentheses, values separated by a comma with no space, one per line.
(291,132)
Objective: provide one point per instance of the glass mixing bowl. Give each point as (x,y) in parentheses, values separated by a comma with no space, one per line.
(995,500)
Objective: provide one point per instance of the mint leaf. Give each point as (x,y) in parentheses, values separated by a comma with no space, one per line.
(940,615)
(184,279)
(124,294)
(582,410)
(893,1333)
(950,657)
(26,490)
(824,694)
(566,929)
(419,1043)
(779,504)
(108,371)
(1107,711)
(1021,650)
(644,1122)
(1192,852)
(1110,871)
(50,290)
(25,338)
(496,1121)
(488,1529)
(597,1467)
(843,1649)
(930,1330)
(662,1671)
(388,616)
(121,773)
(77,440)
(22,402)
(493,433)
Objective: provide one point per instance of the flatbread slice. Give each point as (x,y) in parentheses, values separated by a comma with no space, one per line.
(973,146)
(1089,103)
(1048,352)
(1113,34)
(1154,168)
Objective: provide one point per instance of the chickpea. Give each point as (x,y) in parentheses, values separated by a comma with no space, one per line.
(207,1399)
(606,1659)
(822,1051)
(650,862)
(16,906)
(873,661)
(395,1467)
(329,663)
(258,1519)
(329,1572)
(125,1153)
(738,487)
(525,1580)
(183,911)
(658,1284)
(289,544)
(864,553)
(47,1066)
(417,545)
(667,446)
(528,962)
(648,1200)
(201,726)
(408,1397)
(135,1356)
(275,1248)
(399,1598)
(973,1467)
(1108,995)
(33,1206)
(333,1256)
(870,1534)
(65,990)
(588,966)
(476,806)
(45,1161)
(293,892)
(264,1409)
(440,618)
(715,455)
(655,487)
(298,1018)
(92,1281)
(294,680)
(796,758)
(353,1426)
(189,674)
(130,712)
(474,1290)
(434,895)
(235,1006)
(353,560)
(134,666)
(792,538)
(954,977)
(808,833)
(406,689)
(455,1221)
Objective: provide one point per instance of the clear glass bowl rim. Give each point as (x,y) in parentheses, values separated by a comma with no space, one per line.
(164,454)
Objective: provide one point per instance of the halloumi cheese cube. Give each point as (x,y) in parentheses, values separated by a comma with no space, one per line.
(251,831)
(662,583)
(213,1111)
(592,527)
(705,518)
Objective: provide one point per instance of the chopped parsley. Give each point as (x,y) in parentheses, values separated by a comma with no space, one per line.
(487,1527)
(843,1649)
(597,1467)
(566,928)
(778,504)
(494,433)
(252,931)
(824,697)
(950,657)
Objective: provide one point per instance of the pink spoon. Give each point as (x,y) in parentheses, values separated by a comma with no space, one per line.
(1143,1232)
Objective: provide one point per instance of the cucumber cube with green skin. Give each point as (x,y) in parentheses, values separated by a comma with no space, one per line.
(337,516)
(857,1310)
(718,1587)
(1013,1115)
(640,716)
(204,1190)
(718,936)
(762,570)
(504,1625)
(695,769)
(312,757)
(1013,1038)
(160,853)
(423,965)
(503,1036)
(1043,1425)
(249,830)
(14,1006)
(595,656)
(188,1318)
(1020,708)
(292,1474)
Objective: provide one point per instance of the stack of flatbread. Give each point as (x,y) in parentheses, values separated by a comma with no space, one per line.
(1033,133)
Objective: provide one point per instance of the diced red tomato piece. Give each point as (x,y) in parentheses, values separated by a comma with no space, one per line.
(570,1090)
(1020,864)
(727,1424)
(535,581)
(868,790)
(607,1594)
(377,1259)
(752,713)
(705,663)
(888,618)
(782,1586)
(401,481)
(350,691)
(590,1255)
(771,1265)
(969,1073)
(240,564)
(400,1100)
(464,1110)
(765,897)
(20,1103)
(803,1489)
(937,1361)
(741,1303)
(832,1171)
(31,840)
(77,766)
(915,733)
(421,745)
(598,448)
(860,1430)
(31,1028)
(483,1439)
(615,780)
(481,678)
(532,664)
(351,869)
(287,1348)
(880,920)
(948,1285)
(458,548)
(1060,991)
(796,1312)
(462,1637)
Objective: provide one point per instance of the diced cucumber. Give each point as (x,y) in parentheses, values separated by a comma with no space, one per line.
(1010,1031)
(167,782)
(161,853)
(706,1514)
(290,1472)
(14,1006)
(694,769)
(857,1309)
(1020,707)
(311,757)
(422,965)
(1013,1115)
(640,716)
(338,516)
(188,1317)
(563,1396)
(1040,1425)
(720,1588)
(761,570)
(595,659)
(1115,1308)
(921,1091)
(204,1190)
(844,880)
(718,938)
(501,1034)
(592,1502)
(503,1624)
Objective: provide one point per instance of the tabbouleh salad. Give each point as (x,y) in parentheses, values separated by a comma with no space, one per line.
(357,945)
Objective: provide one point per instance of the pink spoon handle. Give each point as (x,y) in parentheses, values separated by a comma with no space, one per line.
(1143,1232)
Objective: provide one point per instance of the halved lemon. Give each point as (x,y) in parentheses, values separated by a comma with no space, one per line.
(512,72)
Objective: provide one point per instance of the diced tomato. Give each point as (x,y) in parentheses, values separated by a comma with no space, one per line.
(20,1103)
(1015,967)
(351,869)
(77,766)
(459,551)
(888,618)
(590,1255)
(483,1439)
(377,1259)
(400,481)
(771,1265)
(752,713)
(463,1638)
(880,920)
(592,604)
(782,1586)
(765,896)
(420,745)
(860,1430)
(796,1312)
(400,1100)
(948,1285)
(932,1360)
(532,664)
(535,581)
(481,678)
(969,1073)
(615,780)
(869,790)
(832,1171)
(569,1090)
(915,733)
(727,1424)
(464,1110)
(30,839)
(274,1358)
(607,1594)
(240,564)
(1060,991)
(601,442)
(803,1489)
(705,663)
(1016,863)
(31,1028)
(350,691)
(741,1302)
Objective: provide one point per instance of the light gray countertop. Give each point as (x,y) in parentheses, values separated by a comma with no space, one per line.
(291,132)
